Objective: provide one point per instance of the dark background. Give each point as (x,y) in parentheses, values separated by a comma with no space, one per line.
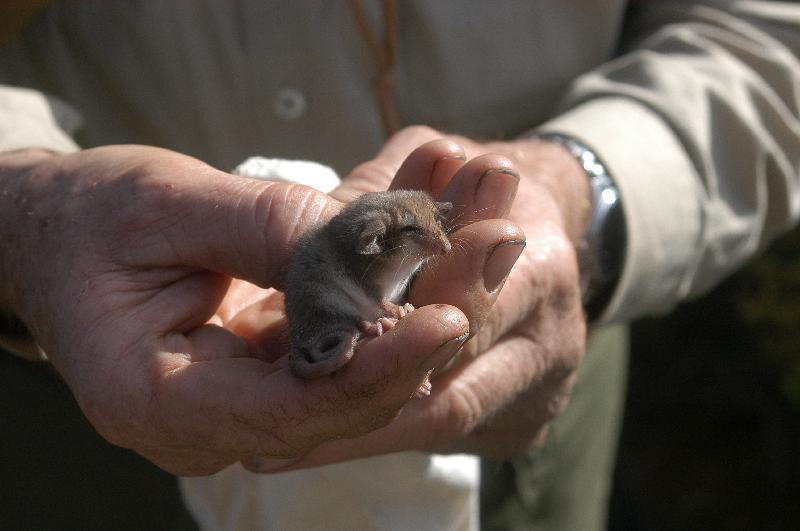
(711,437)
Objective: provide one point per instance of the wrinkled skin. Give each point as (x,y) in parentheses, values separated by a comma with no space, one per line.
(514,376)
(120,260)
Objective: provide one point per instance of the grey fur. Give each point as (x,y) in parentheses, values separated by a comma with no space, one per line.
(343,271)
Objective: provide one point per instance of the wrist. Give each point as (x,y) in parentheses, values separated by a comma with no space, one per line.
(16,167)
(602,248)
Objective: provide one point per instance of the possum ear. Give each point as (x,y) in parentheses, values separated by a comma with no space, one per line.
(370,241)
(444,208)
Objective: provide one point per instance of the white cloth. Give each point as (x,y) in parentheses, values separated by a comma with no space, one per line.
(407,491)
(401,492)
(319,176)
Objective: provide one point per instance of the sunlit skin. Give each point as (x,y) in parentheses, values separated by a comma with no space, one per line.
(120,260)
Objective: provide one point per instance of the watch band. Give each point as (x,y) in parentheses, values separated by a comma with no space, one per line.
(601,254)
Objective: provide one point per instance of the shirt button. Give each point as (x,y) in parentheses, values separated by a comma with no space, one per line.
(289,104)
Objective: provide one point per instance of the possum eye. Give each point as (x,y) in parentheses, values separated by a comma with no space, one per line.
(410,229)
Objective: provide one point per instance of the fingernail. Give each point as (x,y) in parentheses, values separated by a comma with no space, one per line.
(499,264)
(495,191)
(445,351)
(268,464)
(443,170)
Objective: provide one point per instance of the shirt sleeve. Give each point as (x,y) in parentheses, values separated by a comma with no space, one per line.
(31,119)
(699,124)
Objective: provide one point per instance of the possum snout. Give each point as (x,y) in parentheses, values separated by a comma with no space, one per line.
(438,245)
(327,346)
(322,357)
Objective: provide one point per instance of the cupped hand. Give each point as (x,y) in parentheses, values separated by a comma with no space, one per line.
(499,395)
(120,259)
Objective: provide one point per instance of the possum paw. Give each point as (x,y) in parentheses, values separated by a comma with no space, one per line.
(424,389)
(377,328)
(397,311)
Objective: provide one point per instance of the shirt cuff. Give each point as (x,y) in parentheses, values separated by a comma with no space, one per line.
(30,119)
(661,199)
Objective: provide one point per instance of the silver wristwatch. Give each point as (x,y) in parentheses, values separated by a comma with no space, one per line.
(601,254)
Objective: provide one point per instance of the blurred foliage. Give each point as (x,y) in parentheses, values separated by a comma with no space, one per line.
(769,303)
(711,438)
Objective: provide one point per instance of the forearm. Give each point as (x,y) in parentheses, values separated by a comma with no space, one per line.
(13,166)
(698,124)
(14,335)
(33,126)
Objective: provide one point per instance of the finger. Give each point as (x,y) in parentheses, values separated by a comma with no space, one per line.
(418,166)
(210,342)
(250,408)
(471,276)
(240,296)
(545,275)
(462,405)
(384,373)
(406,332)
(188,462)
(263,323)
(430,167)
(484,188)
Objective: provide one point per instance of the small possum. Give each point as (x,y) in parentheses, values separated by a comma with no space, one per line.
(348,278)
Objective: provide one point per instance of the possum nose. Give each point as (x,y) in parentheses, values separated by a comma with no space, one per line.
(445,245)
(330,343)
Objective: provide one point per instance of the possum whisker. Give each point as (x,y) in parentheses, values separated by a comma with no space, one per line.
(399,268)
(462,244)
(467,231)
(478,211)
(377,258)
(453,225)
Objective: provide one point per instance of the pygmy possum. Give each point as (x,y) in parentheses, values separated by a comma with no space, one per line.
(348,278)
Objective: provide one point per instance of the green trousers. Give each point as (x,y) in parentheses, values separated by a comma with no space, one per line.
(566,484)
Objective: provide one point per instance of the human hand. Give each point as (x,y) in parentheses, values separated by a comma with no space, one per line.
(511,379)
(119,259)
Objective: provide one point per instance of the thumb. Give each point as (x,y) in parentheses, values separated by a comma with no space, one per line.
(235,226)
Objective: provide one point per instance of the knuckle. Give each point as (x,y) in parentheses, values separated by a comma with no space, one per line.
(152,210)
(363,391)
(372,404)
(372,175)
(280,213)
(421,133)
(462,416)
(495,160)
(375,418)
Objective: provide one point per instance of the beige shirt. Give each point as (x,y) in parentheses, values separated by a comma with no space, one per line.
(696,113)
(698,120)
